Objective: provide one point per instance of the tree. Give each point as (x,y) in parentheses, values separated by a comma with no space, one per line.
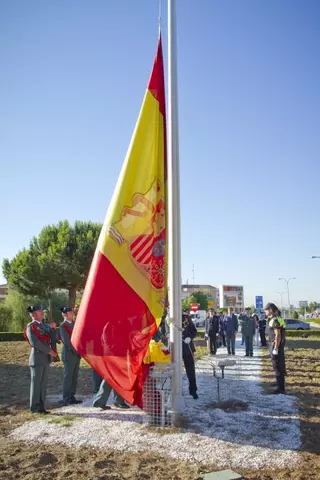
(17,304)
(59,258)
(196,297)
(5,318)
(313,306)
(294,315)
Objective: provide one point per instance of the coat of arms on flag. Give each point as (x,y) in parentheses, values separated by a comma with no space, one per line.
(143,227)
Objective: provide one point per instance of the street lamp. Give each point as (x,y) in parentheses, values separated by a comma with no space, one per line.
(281,293)
(287,282)
(314,256)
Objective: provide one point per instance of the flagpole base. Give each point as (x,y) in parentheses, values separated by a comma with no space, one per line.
(177,411)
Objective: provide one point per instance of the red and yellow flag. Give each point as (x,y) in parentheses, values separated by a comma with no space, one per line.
(125,292)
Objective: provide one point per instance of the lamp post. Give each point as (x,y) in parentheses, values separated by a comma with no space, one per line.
(281,293)
(287,282)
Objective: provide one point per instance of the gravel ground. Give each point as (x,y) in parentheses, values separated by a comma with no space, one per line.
(246,427)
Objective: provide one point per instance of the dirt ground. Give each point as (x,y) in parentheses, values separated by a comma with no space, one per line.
(22,461)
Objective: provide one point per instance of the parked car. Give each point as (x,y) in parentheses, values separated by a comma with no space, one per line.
(199,318)
(292,324)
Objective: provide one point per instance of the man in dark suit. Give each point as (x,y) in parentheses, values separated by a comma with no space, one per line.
(231,328)
(212,329)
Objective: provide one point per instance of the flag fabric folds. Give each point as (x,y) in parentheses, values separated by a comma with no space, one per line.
(124,297)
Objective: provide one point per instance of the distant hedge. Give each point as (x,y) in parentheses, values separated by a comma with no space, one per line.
(18,336)
(303,333)
(11,336)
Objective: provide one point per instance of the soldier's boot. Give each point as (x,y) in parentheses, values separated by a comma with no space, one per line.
(280,386)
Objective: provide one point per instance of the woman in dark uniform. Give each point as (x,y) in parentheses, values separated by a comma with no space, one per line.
(276,345)
(189,332)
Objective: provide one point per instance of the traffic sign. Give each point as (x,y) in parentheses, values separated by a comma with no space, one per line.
(259,303)
(194,307)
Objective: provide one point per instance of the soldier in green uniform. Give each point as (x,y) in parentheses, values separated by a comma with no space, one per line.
(248,328)
(70,357)
(38,335)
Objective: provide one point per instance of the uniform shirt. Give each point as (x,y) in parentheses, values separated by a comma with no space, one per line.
(188,331)
(248,325)
(39,354)
(65,327)
(262,323)
(276,323)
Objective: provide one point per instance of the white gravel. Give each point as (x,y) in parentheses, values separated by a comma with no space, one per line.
(265,435)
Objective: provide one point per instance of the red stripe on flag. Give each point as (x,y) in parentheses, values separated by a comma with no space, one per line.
(156,82)
(138,248)
(113,329)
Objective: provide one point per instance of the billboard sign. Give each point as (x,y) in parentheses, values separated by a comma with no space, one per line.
(231,296)
(303,303)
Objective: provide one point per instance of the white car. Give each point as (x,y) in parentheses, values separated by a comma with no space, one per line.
(292,324)
(199,318)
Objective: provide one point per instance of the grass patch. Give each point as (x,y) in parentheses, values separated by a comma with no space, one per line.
(64,421)
(200,352)
(303,381)
(22,461)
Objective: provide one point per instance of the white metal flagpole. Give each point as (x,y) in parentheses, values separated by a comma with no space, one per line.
(174,251)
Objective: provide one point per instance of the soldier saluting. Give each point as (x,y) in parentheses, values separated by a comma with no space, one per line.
(38,336)
(70,357)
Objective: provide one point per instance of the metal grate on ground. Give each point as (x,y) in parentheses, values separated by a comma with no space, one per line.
(222,381)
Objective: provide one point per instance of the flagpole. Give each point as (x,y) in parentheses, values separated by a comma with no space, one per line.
(174,251)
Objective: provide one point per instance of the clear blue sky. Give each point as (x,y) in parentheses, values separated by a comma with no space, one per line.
(73,75)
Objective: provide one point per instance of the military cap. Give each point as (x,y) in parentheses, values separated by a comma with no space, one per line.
(34,308)
(66,309)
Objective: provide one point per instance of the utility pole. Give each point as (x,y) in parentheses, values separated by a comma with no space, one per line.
(288,292)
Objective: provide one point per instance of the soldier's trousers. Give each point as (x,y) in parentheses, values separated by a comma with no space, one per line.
(70,377)
(248,341)
(102,397)
(96,381)
(38,387)
(188,361)
(279,366)
(231,342)
(212,344)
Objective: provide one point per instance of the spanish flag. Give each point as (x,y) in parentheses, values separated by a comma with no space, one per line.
(124,297)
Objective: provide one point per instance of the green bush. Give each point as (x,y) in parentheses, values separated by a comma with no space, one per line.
(294,315)
(5,317)
(303,333)
(18,304)
(312,320)
(11,336)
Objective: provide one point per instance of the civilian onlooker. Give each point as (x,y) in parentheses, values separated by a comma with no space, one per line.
(231,328)
(222,332)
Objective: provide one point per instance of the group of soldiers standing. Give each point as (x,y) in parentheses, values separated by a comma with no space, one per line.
(43,338)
